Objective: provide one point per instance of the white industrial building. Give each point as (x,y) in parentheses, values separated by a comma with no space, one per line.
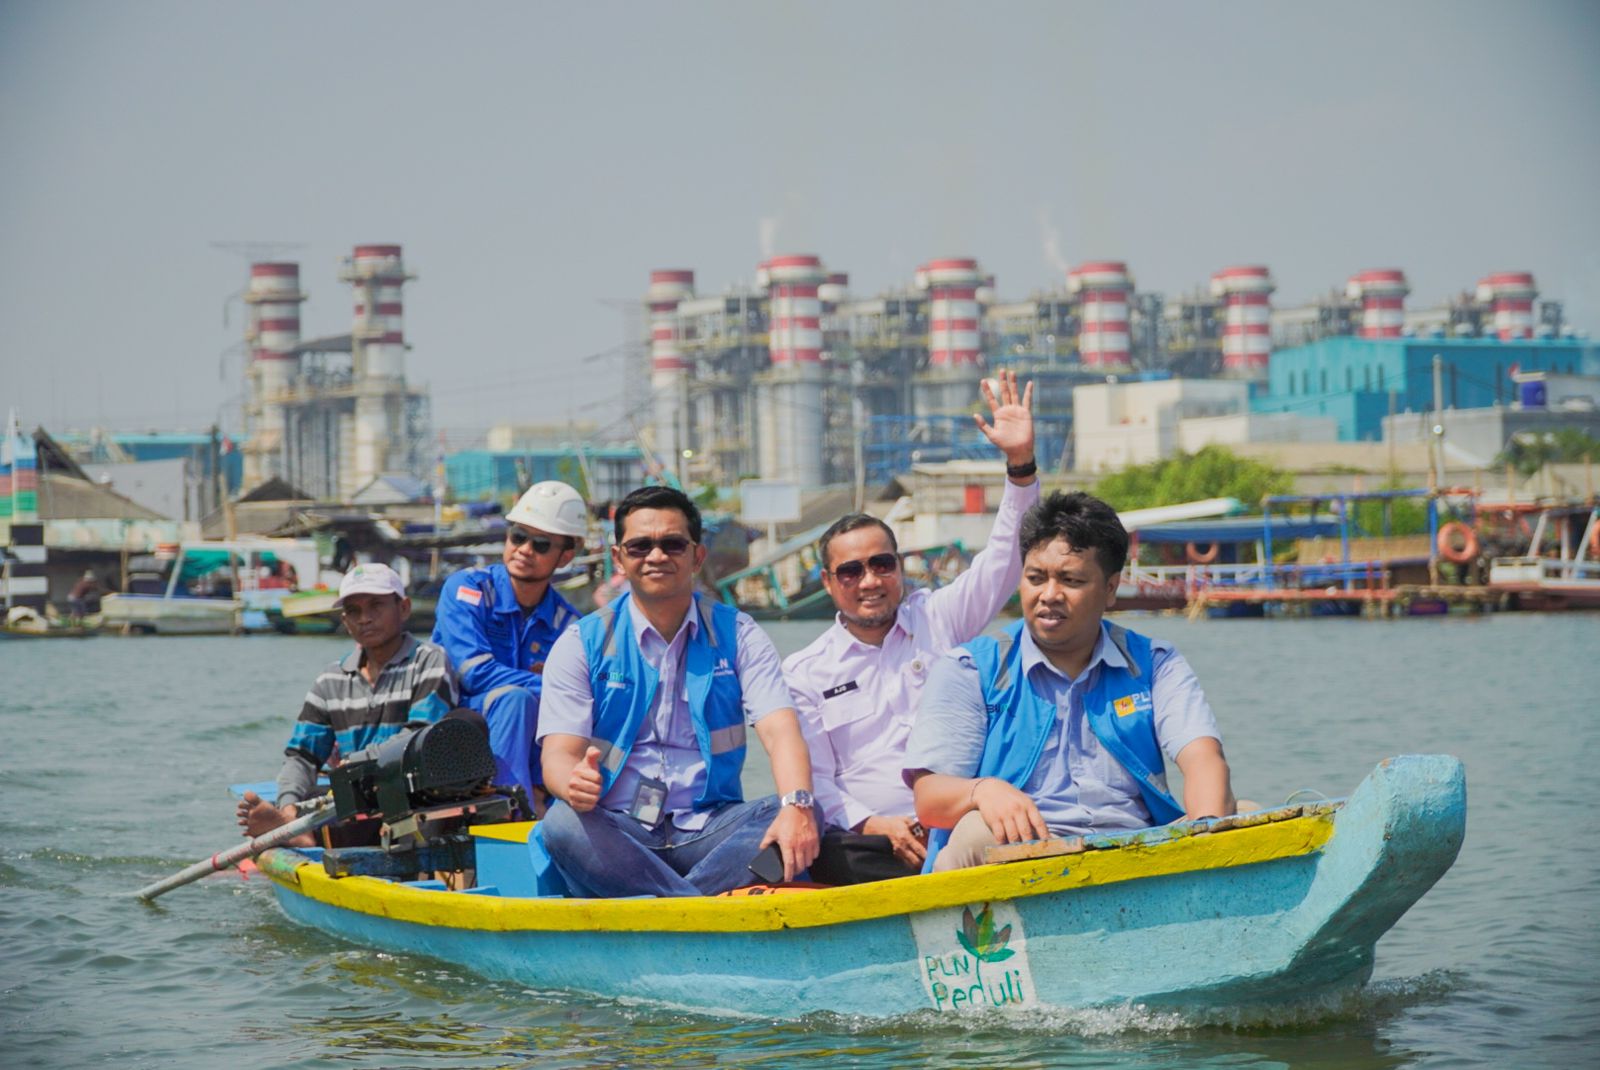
(324,423)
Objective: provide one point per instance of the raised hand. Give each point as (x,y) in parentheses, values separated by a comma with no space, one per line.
(1012,413)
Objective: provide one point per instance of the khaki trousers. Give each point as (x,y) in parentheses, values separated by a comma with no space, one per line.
(968,841)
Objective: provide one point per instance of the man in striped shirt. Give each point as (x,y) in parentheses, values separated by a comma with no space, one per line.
(390,683)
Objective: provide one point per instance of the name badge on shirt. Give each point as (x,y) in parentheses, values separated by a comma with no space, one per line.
(842,689)
(647,805)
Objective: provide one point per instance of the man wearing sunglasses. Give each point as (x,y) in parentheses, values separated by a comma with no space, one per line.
(856,687)
(1065,724)
(499,622)
(646,704)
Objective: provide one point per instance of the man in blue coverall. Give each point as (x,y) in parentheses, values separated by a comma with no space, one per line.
(499,622)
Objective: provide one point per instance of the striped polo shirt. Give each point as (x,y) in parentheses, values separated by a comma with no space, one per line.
(343,711)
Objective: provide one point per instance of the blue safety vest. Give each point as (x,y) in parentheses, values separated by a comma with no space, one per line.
(624,684)
(1119,708)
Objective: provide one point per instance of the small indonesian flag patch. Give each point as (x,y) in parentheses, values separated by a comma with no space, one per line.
(470,595)
(1124,705)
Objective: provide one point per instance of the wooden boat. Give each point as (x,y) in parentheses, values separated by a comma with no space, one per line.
(1232,912)
(1561,569)
(61,631)
(215,588)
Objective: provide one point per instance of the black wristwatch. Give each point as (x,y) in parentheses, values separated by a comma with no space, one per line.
(1022,471)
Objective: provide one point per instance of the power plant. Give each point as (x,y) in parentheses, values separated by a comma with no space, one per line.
(329,415)
(792,377)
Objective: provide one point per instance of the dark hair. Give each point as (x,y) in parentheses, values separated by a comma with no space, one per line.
(658,498)
(848,523)
(1084,521)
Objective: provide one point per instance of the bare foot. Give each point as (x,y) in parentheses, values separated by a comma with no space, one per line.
(257,817)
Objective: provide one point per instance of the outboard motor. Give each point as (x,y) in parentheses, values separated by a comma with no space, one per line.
(425,787)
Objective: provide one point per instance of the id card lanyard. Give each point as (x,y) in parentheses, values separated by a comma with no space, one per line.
(649,802)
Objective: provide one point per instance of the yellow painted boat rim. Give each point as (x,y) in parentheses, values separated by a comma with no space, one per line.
(1291,832)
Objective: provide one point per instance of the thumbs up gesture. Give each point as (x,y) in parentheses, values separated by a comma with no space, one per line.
(583,784)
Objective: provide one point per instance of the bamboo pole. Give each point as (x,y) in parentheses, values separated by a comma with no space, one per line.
(322,813)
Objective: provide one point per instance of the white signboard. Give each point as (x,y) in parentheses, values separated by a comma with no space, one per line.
(974,958)
(769,501)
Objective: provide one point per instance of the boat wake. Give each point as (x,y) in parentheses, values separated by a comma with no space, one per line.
(1376,1001)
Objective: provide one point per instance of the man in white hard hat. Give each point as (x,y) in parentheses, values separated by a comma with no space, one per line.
(498,624)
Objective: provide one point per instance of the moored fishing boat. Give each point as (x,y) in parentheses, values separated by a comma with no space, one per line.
(217,588)
(1239,911)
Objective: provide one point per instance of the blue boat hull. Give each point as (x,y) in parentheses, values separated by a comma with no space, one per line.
(1177,917)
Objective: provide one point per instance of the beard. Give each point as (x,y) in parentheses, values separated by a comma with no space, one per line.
(880,619)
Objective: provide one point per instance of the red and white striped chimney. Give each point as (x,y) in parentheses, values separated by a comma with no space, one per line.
(1382,293)
(668,366)
(790,442)
(274,297)
(833,290)
(379,273)
(1510,294)
(1246,320)
(795,309)
(1103,288)
(953,337)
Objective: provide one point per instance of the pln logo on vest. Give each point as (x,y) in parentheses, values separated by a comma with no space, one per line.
(1131,704)
(617,679)
(722,668)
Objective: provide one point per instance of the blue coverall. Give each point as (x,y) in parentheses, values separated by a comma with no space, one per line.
(499,652)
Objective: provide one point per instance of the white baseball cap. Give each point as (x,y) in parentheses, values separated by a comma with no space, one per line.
(371,578)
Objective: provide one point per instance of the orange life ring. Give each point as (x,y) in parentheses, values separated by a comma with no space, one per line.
(1197,558)
(1466,551)
(1594,541)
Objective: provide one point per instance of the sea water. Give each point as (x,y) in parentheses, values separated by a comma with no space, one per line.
(115,755)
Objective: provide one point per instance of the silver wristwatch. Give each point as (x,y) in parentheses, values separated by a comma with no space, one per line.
(798,797)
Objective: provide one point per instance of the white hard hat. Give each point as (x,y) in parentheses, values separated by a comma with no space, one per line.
(554,507)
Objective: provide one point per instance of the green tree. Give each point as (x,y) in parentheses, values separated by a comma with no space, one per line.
(1213,472)
(1529,451)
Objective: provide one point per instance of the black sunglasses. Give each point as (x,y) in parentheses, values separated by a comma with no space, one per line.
(671,545)
(520,537)
(850,572)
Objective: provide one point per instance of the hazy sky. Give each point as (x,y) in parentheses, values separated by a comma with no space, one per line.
(537,160)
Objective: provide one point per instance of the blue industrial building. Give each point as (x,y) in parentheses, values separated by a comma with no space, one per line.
(1355,380)
(602,473)
(206,453)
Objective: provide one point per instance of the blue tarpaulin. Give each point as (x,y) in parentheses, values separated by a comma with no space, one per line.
(1238,529)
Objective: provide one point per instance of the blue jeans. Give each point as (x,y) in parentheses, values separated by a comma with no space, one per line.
(604,854)
(512,714)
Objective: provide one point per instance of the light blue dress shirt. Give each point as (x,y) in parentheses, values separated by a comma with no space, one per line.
(1077,785)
